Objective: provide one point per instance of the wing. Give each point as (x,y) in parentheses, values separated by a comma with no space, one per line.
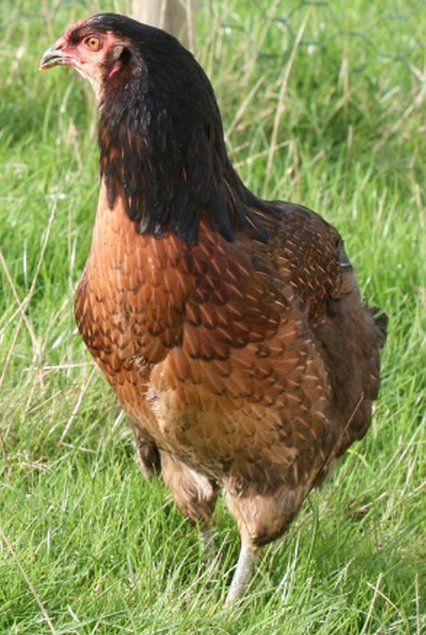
(278,360)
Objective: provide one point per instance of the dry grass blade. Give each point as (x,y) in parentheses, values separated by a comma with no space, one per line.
(418,615)
(30,585)
(77,405)
(416,104)
(282,97)
(241,110)
(23,304)
(372,603)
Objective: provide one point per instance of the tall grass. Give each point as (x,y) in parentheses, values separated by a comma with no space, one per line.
(322,104)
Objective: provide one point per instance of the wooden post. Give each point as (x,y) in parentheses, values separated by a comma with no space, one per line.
(174,16)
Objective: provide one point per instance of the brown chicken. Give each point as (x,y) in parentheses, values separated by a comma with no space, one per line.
(229,327)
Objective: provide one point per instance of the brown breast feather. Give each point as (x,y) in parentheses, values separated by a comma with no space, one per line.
(213,348)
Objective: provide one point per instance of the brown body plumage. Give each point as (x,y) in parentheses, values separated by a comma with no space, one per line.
(237,343)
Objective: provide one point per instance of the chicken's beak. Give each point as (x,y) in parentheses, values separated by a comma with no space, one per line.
(52,57)
(56,55)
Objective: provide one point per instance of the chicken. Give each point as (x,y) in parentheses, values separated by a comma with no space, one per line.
(229,327)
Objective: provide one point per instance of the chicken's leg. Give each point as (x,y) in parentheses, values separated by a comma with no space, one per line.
(241,577)
(148,456)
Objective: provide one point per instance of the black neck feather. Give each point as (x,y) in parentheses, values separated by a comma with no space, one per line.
(162,149)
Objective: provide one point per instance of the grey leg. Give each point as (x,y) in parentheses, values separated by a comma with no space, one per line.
(241,577)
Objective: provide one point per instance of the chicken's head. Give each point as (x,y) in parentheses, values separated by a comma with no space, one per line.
(94,47)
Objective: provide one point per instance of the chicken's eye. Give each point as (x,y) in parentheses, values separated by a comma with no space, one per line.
(93,43)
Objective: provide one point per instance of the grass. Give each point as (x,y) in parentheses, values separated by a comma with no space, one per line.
(322,104)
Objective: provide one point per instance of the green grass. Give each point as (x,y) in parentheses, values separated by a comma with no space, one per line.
(322,104)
